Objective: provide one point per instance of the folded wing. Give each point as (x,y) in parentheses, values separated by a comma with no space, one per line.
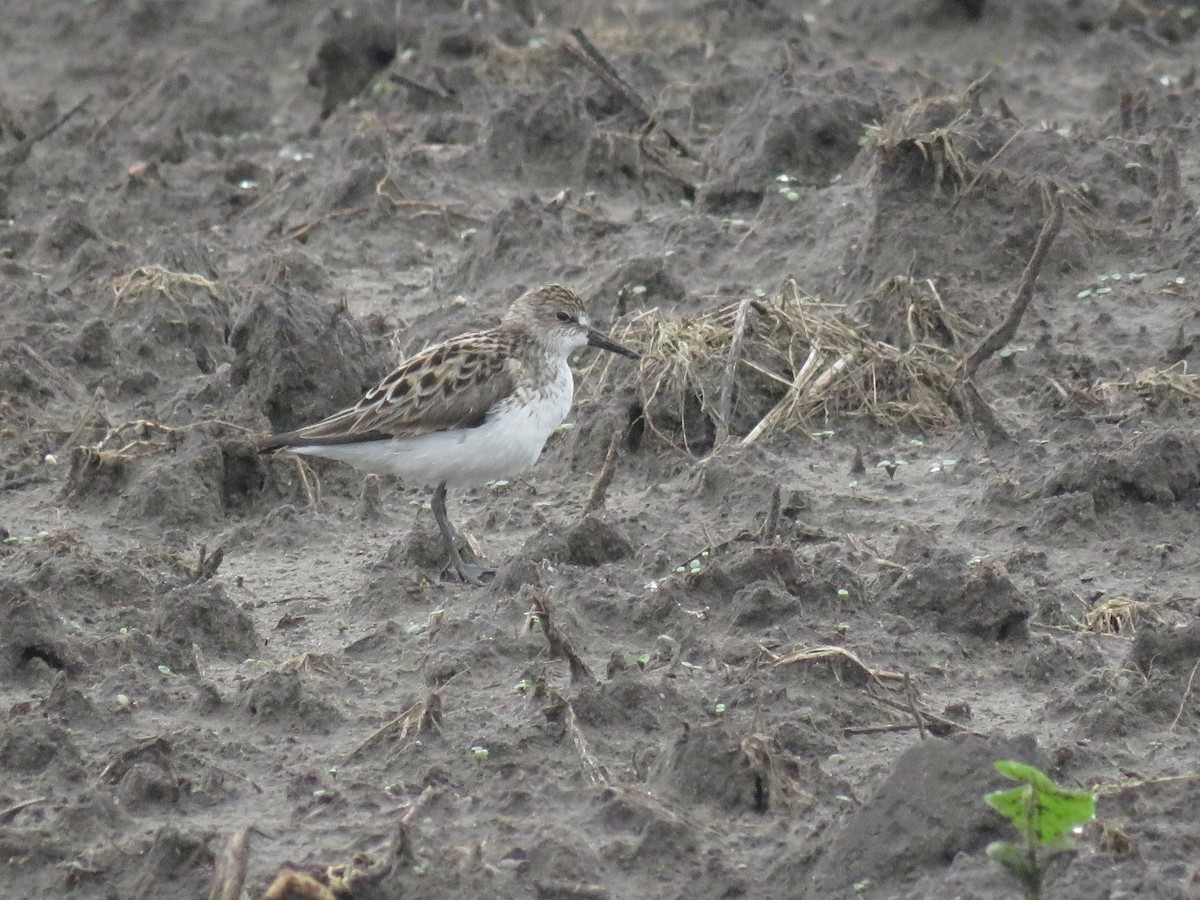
(448,386)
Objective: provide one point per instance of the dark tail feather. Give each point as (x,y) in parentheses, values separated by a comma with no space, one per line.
(290,439)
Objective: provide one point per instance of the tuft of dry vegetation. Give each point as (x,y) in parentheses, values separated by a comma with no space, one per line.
(1153,386)
(1120,616)
(801,361)
(931,133)
(150,280)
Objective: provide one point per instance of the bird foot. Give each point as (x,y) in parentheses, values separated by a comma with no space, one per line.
(469,572)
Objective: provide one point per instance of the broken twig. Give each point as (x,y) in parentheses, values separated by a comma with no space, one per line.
(135,95)
(1007,330)
(910,696)
(725,398)
(578,45)
(934,724)
(14,156)
(230,875)
(9,814)
(1168,188)
(561,707)
(595,497)
(560,645)
(771,523)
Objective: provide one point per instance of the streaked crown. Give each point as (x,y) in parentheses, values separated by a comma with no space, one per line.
(553,315)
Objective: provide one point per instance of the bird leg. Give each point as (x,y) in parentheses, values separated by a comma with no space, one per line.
(468,572)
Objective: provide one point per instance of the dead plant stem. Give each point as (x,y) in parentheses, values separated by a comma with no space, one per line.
(725,399)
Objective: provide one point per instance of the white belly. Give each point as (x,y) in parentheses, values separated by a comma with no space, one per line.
(509,442)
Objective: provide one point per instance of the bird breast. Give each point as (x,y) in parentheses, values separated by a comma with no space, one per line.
(512,437)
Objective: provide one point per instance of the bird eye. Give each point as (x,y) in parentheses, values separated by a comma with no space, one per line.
(565,317)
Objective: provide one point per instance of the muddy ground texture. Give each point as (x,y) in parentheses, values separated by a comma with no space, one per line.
(221,218)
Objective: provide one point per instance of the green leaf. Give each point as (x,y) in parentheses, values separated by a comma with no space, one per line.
(1014,859)
(1040,809)
(1013,804)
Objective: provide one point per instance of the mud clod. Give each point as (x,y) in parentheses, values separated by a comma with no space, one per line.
(594,542)
(1160,468)
(932,790)
(280,698)
(203,616)
(978,600)
(706,765)
(33,633)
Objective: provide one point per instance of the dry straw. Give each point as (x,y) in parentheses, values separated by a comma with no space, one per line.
(799,362)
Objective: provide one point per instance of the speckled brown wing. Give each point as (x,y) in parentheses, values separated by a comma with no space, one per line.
(446,386)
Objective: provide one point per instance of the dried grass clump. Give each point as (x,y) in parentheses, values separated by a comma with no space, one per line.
(149,280)
(1153,386)
(1148,389)
(1121,616)
(533,64)
(907,312)
(800,362)
(934,132)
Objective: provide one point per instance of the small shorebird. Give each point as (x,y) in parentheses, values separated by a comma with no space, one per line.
(467,411)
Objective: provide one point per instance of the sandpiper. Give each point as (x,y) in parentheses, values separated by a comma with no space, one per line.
(473,409)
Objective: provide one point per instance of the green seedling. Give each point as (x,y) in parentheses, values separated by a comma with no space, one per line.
(434,620)
(382,87)
(1044,814)
(693,565)
(1102,284)
(1008,354)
